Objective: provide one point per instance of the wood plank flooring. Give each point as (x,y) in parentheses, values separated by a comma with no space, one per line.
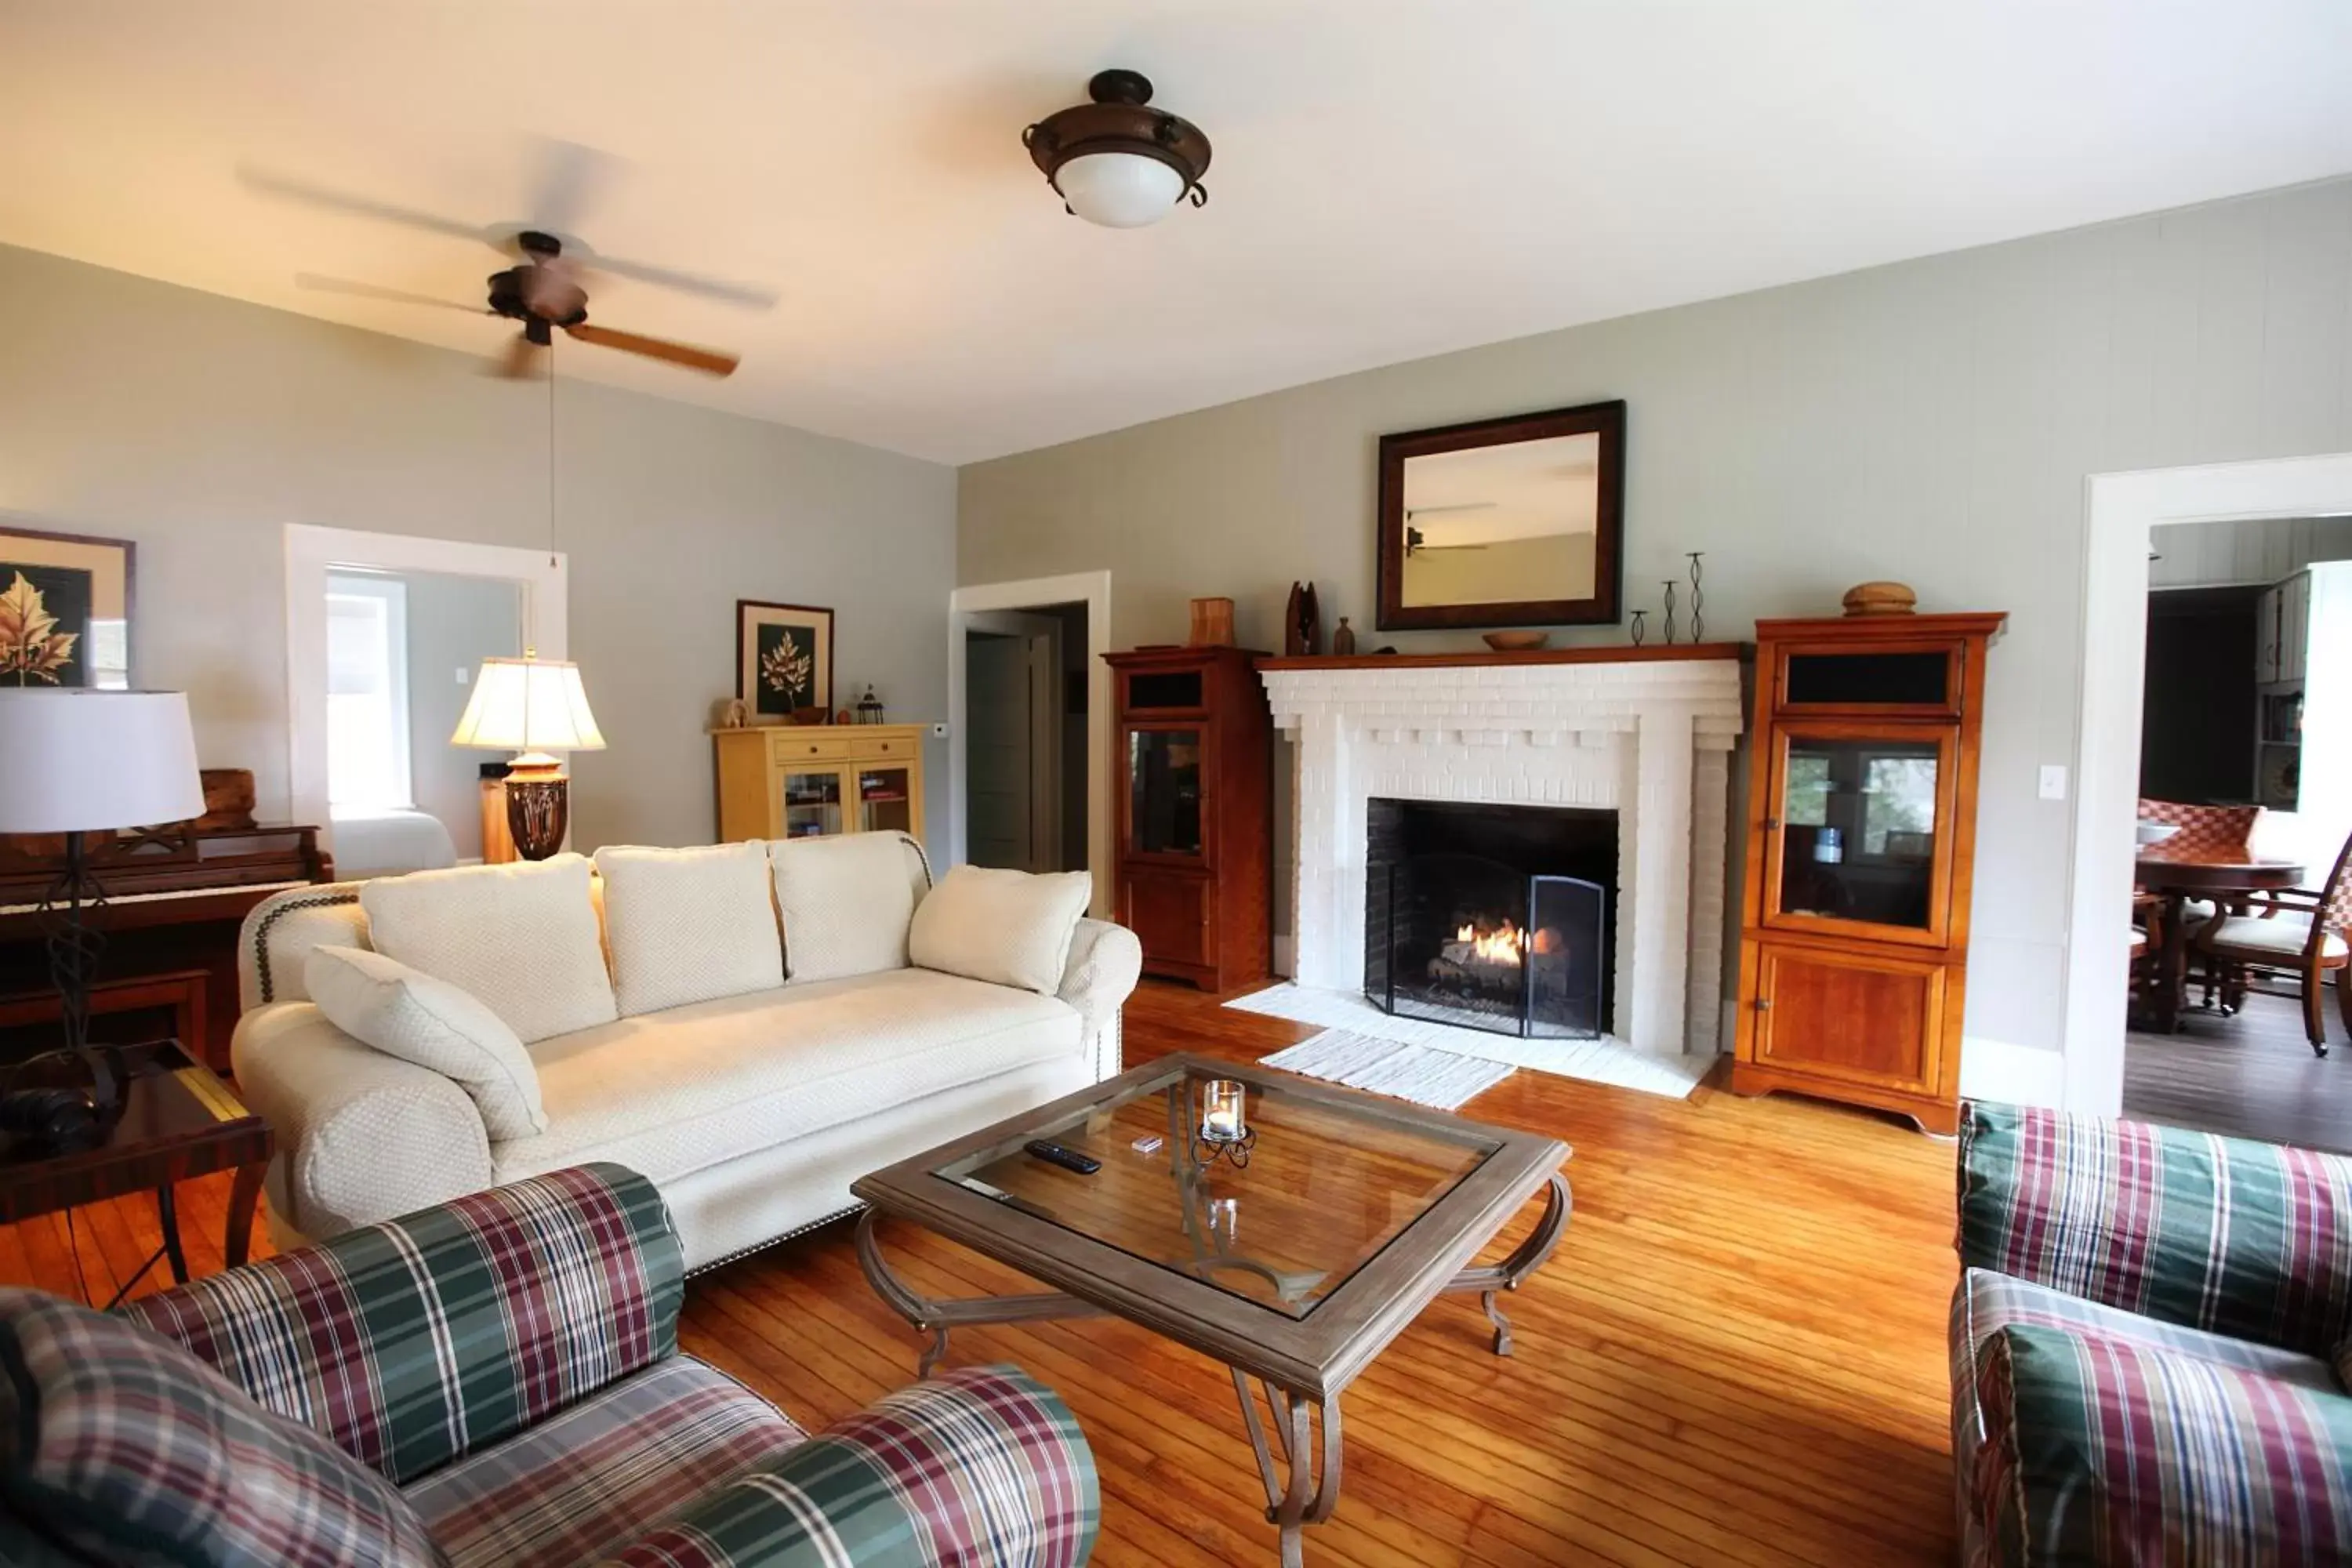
(2252,1076)
(1737,1356)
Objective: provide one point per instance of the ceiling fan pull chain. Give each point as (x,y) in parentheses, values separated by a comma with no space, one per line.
(550,450)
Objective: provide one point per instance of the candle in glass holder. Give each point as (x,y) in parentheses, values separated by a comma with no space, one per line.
(1221,1111)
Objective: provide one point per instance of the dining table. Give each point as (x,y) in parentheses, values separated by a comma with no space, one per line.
(2176,875)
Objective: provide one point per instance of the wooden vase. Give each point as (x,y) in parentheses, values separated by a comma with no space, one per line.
(1212,623)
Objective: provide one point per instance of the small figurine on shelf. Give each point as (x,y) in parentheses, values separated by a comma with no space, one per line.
(1302,623)
(1343,640)
(869,706)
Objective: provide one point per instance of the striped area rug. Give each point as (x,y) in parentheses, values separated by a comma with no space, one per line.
(1603,1060)
(1417,1073)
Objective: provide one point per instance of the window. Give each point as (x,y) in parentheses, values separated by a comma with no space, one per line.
(367,692)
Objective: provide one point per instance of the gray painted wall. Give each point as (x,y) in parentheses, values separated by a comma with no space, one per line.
(453,622)
(1930,421)
(199,427)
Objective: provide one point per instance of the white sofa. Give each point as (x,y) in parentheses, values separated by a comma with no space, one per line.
(752,1113)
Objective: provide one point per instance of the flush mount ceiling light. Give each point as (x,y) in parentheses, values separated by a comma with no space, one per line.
(1117,162)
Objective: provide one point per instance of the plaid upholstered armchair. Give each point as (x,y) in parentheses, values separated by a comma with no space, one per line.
(2148,1345)
(494,1380)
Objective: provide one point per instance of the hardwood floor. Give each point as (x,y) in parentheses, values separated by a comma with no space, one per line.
(1737,1356)
(2252,1076)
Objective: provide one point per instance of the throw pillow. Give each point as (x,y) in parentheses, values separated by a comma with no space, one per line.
(1009,928)
(689,925)
(404,1012)
(521,937)
(128,1449)
(846,903)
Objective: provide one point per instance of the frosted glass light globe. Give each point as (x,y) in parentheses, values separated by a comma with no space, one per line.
(1119,190)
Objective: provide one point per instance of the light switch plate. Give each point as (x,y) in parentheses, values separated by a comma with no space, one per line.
(2053,781)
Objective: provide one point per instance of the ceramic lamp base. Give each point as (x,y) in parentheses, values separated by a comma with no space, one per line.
(539,810)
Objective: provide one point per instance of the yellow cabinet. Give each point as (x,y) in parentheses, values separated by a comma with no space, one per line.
(806,781)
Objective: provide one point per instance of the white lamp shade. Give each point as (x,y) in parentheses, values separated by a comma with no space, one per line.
(83,762)
(529,705)
(1119,190)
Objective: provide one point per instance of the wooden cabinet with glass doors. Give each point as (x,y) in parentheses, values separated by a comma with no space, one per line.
(811,781)
(1194,795)
(1860,837)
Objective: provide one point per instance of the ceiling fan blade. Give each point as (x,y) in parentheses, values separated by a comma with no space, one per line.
(521,362)
(320,283)
(751,296)
(570,175)
(654,348)
(292,189)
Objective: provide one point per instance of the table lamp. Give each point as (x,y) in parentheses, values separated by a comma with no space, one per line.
(76,762)
(533,706)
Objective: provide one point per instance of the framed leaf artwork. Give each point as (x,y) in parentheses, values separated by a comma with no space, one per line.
(783,659)
(64,609)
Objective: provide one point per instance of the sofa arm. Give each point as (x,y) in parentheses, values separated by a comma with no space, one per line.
(982,1468)
(1105,962)
(2243,1239)
(413,1342)
(361,1136)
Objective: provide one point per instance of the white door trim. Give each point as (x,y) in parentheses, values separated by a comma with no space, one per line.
(2120,508)
(1093,590)
(311,551)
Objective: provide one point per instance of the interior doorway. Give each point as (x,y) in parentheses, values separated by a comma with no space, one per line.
(1028,701)
(1019,705)
(2245,756)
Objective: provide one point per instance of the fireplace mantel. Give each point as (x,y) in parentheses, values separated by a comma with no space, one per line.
(1646,732)
(1625,653)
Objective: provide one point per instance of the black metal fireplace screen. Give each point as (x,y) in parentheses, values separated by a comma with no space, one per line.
(1457,937)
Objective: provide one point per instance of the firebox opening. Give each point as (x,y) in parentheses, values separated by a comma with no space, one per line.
(1493,917)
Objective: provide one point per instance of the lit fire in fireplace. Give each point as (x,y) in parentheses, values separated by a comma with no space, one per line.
(1506,945)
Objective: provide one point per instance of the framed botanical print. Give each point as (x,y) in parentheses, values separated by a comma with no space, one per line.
(783,659)
(64,609)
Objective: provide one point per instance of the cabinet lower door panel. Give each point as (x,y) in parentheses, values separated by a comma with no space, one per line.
(1172,914)
(1868,1018)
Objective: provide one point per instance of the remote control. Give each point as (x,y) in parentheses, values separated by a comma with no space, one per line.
(1068,1159)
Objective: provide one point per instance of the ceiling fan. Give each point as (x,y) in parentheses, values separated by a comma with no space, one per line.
(544,291)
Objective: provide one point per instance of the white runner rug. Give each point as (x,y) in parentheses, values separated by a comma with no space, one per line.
(1418,1073)
(1603,1060)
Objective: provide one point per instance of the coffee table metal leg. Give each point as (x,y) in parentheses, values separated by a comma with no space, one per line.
(1494,1278)
(167,1210)
(936,1318)
(1306,1488)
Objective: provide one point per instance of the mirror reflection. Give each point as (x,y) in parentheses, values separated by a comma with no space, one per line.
(1493,525)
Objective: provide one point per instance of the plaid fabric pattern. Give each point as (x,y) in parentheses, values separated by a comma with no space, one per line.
(2101,1450)
(603,1472)
(131,1450)
(416,1341)
(2211,829)
(981,1465)
(2250,1240)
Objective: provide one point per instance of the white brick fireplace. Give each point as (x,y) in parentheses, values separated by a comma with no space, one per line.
(1648,736)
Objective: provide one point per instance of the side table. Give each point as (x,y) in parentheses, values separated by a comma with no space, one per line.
(179,1120)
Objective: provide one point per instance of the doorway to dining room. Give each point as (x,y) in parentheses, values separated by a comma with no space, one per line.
(2239,1021)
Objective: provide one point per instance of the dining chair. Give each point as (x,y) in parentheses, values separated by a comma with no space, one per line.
(2294,932)
(2208,829)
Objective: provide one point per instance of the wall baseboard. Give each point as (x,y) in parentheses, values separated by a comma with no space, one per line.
(2003,1070)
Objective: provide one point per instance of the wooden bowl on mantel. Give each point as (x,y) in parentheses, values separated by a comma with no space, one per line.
(1514,642)
(1880,599)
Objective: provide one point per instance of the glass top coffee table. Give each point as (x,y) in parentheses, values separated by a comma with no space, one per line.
(1288,1227)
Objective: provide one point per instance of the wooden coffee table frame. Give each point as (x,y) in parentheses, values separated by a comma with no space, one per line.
(1302,1364)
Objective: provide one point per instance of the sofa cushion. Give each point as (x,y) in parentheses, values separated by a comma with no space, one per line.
(576,1488)
(689,925)
(521,937)
(129,1449)
(846,903)
(2098,1450)
(1008,928)
(670,1093)
(404,1013)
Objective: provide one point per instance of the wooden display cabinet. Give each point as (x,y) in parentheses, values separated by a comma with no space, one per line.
(1861,841)
(1194,793)
(808,781)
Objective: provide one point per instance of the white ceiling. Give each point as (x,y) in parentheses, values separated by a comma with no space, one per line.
(1391,179)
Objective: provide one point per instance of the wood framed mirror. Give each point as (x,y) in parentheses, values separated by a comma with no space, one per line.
(1505,522)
